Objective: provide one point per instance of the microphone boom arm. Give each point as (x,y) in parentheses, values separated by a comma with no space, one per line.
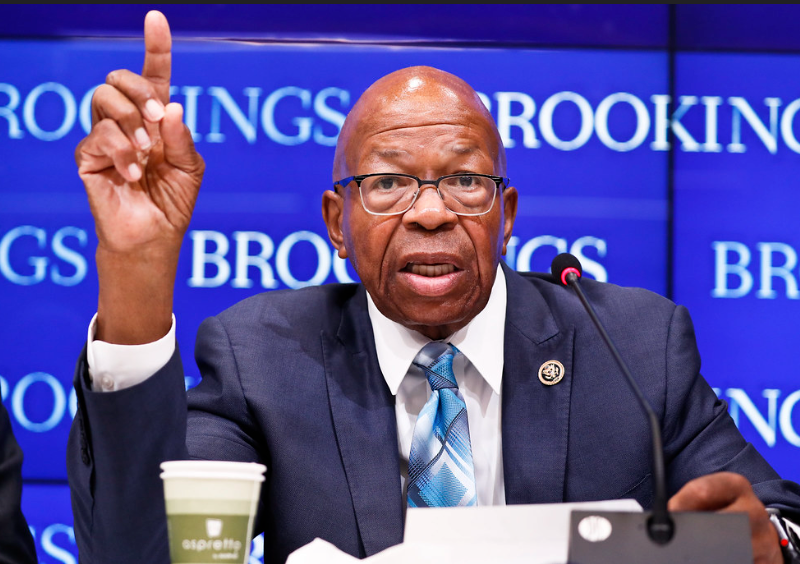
(660,527)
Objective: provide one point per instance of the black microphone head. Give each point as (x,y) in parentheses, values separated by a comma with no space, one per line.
(564,264)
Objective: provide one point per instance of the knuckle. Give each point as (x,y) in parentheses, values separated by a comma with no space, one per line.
(130,84)
(79,151)
(146,91)
(129,115)
(119,146)
(703,491)
(119,153)
(102,91)
(101,94)
(103,127)
(113,77)
(740,484)
(741,481)
(109,138)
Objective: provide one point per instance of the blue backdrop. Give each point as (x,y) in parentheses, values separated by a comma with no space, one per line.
(658,167)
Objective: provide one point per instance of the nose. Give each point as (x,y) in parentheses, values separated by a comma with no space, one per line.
(429,211)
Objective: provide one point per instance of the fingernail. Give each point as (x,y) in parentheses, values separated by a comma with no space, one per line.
(142,138)
(154,110)
(134,171)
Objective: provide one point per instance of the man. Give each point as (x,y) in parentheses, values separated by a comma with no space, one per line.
(321,384)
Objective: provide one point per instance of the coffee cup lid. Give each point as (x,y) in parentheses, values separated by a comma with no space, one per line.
(213,469)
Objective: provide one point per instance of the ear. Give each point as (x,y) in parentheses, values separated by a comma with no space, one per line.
(510,197)
(333,215)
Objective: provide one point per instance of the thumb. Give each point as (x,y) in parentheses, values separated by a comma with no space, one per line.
(178,143)
(713,492)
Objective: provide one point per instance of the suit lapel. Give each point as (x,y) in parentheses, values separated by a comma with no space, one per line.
(535,417)
(366,427)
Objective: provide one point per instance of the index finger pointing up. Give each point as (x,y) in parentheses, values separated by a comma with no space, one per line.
(158,53)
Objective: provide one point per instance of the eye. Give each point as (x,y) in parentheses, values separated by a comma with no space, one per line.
(467,181)
(386,183)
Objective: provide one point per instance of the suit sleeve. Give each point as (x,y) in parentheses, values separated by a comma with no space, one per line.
(16,543)
(119,439)
(221,426)
(700,437)
(116,444)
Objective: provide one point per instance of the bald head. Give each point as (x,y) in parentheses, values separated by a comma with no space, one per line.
(409,98)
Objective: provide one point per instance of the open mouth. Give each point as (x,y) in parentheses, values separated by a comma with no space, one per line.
(430,270)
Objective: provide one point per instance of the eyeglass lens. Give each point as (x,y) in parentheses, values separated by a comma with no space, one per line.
(395,194)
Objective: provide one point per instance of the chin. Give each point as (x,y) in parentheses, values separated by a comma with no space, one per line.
(446,320)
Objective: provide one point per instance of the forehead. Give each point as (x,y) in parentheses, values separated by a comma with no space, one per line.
(425,146)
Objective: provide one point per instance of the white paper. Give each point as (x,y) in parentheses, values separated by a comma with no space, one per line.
(529,534)
(319,551)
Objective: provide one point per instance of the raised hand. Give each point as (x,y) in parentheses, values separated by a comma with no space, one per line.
(142,174)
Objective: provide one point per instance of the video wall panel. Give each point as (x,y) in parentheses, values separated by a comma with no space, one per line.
(265,119)
(736,237)
(49,515)
(568,25)
(588,136)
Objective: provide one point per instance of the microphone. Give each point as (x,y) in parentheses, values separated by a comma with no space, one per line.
(660,527)
(697,535)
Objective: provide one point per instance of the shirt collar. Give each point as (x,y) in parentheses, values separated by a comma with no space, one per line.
(481,340)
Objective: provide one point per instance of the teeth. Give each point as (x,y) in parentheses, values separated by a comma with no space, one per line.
(432,269)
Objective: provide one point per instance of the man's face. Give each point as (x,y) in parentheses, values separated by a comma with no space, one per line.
(428,269)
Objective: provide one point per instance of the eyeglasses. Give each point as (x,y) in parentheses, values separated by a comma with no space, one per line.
(394,194)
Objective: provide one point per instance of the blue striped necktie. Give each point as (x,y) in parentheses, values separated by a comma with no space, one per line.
(440,470)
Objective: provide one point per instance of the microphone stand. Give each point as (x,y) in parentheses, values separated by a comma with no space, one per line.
(607,537)
(660,527)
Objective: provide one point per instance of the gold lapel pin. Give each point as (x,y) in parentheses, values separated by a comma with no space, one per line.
(551,372)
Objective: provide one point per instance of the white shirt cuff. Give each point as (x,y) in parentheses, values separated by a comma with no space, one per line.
(116,367)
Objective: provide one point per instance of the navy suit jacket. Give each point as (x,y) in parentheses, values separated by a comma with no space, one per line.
(291,379)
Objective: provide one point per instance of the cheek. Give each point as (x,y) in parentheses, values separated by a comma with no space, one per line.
(487,241)
(368,242)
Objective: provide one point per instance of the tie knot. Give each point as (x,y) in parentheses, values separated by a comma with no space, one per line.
(436,360)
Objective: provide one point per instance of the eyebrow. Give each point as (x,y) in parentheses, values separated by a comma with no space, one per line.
(464,149)
(389,153)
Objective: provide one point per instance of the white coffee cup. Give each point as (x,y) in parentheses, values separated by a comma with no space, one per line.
(211,506)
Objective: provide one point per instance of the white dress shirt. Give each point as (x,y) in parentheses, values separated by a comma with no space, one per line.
(478,372)
(479,375)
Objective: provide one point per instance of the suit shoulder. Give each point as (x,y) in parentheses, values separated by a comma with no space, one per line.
(313,307)
(615,302)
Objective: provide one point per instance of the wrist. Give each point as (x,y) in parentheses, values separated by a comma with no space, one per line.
(135,295)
